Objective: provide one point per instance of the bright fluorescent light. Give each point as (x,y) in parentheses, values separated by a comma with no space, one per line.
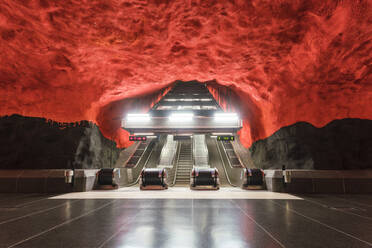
(226,117)
(138,117)
(217,134)
(180,117)
(143,134)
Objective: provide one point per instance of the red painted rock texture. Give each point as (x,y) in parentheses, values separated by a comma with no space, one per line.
(289,61)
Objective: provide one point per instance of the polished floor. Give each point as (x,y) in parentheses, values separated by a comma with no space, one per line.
(78,220)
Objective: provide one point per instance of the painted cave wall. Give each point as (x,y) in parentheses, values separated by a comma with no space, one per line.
(288,62)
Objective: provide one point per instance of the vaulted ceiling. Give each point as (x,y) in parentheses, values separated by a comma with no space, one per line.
(294,60)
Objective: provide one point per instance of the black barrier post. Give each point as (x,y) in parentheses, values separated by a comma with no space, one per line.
(283,173)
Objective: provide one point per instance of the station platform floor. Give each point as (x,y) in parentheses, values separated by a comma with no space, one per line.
(179,217)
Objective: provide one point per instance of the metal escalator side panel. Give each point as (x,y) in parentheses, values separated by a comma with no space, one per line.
(200,150)
(168,153)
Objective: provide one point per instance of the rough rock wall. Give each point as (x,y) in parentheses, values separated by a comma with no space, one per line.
(341,144)
(292,60)
(35,143)
(232,99)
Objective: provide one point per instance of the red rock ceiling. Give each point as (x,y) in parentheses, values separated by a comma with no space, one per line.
(288,60)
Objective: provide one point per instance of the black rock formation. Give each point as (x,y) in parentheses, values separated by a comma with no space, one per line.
(37,143)
(341,144)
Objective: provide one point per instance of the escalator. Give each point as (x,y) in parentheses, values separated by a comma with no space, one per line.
(179,157)
(136,156)
(230,161)
(140,155)
(216,161)
(234,161)
(184,163)
(204,151)
(157,177)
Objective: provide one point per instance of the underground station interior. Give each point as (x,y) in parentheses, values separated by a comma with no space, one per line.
(132,123)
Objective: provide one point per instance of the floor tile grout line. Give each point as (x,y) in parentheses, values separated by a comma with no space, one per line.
(124,225)
(338,210)
(35,213)
(324,224)
(61,224)
(259,225)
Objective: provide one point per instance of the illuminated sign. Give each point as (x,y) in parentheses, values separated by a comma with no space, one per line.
(137,138)
(225,138)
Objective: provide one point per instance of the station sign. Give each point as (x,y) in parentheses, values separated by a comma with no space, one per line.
(225,138)
(137,138)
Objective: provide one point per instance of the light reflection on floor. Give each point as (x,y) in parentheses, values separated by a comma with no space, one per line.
(177,193)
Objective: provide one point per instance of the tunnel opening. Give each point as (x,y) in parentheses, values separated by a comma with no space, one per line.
(187,139)
(228,98)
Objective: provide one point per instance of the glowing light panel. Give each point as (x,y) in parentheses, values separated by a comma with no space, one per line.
(226,117)
(181,117)
(138,117)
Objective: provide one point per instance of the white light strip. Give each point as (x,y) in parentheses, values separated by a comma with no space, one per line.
(217,134)
(180,117)
(138,117)
(144,134)
(188,99)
